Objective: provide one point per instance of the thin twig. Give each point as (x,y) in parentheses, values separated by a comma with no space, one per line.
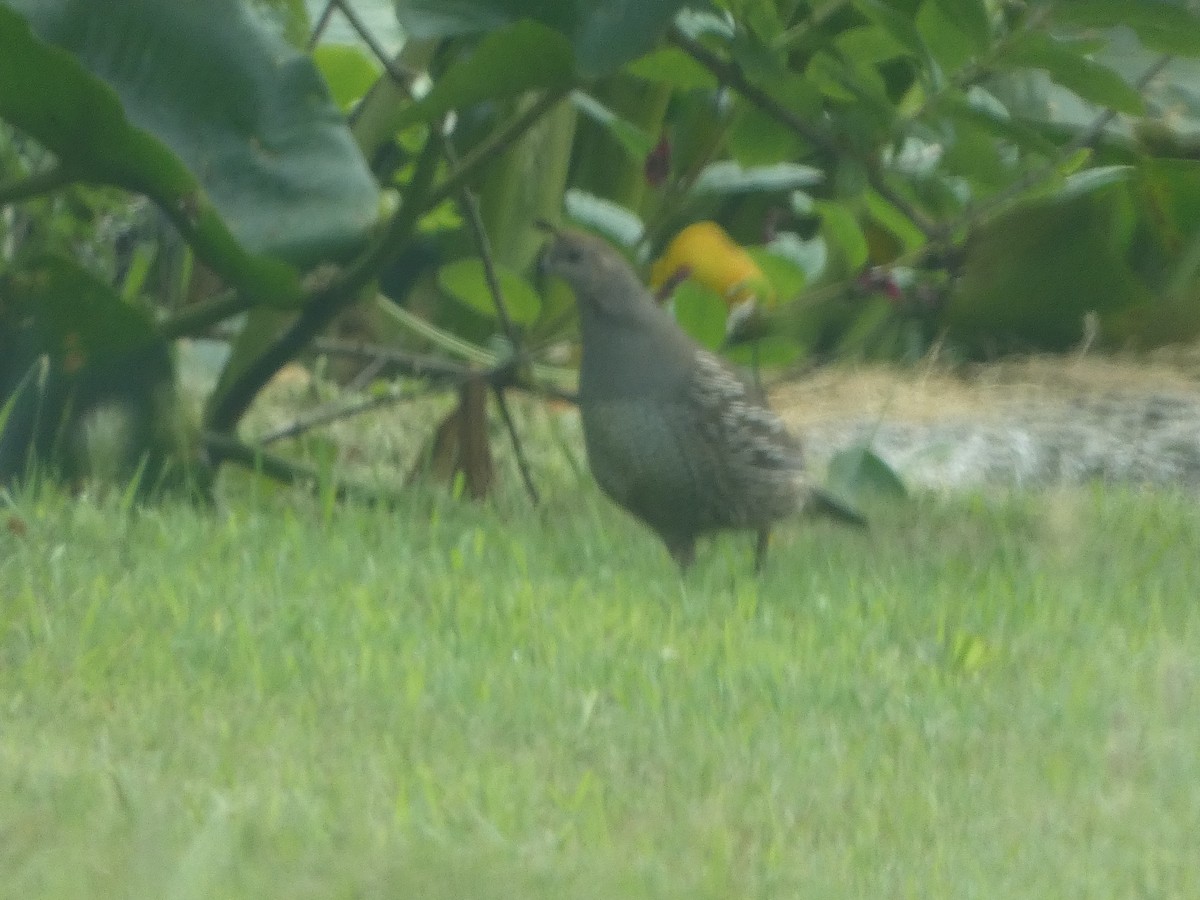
(1083,140)
(336,412)
(492,146)
(394,360)
(226,448)
(321,24)
(324,303)
(470,207)
(730,73)
(34,185)
(360,27)
(518,449)
(366,375)
(198,318)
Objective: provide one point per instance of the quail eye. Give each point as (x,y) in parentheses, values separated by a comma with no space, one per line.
(573,255)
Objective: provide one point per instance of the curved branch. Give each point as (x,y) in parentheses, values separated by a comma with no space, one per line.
(35,185)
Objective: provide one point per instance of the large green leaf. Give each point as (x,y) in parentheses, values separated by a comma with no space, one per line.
(508,62)
(701,312)
(49,95)
(971,18)
(77,314)
(604,34)
(858,472)
(1162,26)
(673,67)
(465,280)
(248,116)
(633,140)
(1068,65)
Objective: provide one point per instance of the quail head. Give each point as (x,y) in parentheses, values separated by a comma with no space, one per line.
(674,434)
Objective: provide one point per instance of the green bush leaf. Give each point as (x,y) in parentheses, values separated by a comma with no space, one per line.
(507,63)
(902,29)
(49,95)
(727,177)
(76,311)
(672,67)
(246,113)
(858,471)
(347,70)
(786,276)
(604,34)
(770,351)
(1162,26)
(610,219)
(842,231)
(1068,66)
(971,18)
(464,280)
(700,312)
(635,141)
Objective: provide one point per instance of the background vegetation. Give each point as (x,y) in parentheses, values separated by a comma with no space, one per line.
(979,175)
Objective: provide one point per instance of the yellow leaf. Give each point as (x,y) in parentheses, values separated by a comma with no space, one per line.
(704,251)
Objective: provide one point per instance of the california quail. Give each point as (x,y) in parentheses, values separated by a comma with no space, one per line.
(674,434)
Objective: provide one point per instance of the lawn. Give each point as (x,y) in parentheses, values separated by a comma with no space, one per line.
(982,697)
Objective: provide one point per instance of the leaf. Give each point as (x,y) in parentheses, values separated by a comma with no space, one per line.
(727,177)
(507,63)
(772,350)
(842,231)
(347,70)
(49,96)
(701,312)
(1162,26)
(983,110)
(673,67)
(604,34)
(636,142)
(1093,179)
(903,30)
(946,41)
(811,255)
(465,281)
(971,18)
(858,471)
(1032,274)
(759,139)
(785,275)
(611,219)
(1069,67)
(246,114)
(77,312)
(894,222)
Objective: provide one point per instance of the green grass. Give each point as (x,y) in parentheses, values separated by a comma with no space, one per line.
(980,698)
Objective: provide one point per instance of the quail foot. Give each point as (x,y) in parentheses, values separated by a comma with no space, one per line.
(674,434)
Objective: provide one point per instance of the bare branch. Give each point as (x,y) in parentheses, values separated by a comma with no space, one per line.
(34,185)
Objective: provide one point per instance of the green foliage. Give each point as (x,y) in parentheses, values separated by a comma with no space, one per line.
(464,280)
(348,71)
(603,34)
(273,158)
(505,64)
(950,169)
